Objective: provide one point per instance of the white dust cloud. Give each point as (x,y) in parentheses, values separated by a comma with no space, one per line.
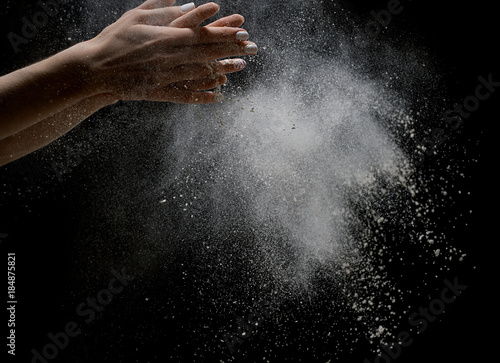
(304,169)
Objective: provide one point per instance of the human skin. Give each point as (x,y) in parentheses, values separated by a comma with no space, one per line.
(155,52)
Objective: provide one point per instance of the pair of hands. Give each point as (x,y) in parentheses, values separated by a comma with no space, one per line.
(155,52)
(159,52)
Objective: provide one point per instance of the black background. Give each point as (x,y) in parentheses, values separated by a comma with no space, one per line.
(40,219)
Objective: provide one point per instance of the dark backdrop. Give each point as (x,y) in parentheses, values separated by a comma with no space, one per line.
(40,216)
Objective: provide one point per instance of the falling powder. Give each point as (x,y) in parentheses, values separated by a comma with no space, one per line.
(298,192)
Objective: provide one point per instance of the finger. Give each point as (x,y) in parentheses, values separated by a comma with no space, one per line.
(194,18)
(171,37)
(154,89)
(164,16)
(212,70)
(158,17)
(202,84)
(155,4)
(226,66)
(211,52)
(234,20)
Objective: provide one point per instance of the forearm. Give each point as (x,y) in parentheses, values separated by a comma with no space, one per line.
(48,130)
(154,52)
(36,92)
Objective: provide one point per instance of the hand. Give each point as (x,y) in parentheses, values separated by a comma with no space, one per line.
(156,52)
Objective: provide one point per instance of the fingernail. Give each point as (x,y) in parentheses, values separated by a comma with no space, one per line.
(239,64)
(187,7)
(251,48)
(242,35)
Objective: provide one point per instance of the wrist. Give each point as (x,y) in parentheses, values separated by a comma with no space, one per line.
(78,65)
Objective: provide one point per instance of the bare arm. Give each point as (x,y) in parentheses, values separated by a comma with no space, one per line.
(44,132)
(34,93)
(48,130)
(136,58)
